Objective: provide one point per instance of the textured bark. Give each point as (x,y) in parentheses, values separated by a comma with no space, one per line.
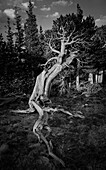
(39,100)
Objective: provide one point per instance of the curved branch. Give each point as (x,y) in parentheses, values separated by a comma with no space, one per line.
(53,58)
(52,49)
(39,85)
(53,72)
(68,38)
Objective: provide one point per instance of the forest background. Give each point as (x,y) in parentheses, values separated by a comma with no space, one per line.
(24,50)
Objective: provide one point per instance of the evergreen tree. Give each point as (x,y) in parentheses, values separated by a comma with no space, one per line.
(2,55)
(2,44)
(41,42)
(79,17)
(31,32)
(98,48)
(19,42)
(33,42)
(41,30)
(10,56)
(10,43)
(79,29)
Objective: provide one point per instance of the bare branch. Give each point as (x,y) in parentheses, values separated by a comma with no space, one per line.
(53,58)
(104,46)
(52,49)
(60,34)
(68,38)
(76,39)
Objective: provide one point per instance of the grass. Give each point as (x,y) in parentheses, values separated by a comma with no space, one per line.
(80,143)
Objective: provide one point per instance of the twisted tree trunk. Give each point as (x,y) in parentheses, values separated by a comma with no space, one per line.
(39,99)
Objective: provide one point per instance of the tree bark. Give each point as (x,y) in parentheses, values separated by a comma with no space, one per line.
(39,99)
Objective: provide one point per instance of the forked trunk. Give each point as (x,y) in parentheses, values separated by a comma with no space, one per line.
(39,99)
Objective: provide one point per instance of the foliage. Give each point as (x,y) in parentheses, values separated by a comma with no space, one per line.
(31,32)
(10,43)
(41,42)
(2,55)
(19,42)
(81,143)
(26,49)
(78,27)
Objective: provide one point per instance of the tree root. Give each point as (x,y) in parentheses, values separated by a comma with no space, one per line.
(29,110)
(42,124)
(50,149)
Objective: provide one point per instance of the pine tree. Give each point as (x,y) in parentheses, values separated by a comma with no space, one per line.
(2,44)
(2,55)
(10,55)
(79,13)
(19,42)
(41,42)
(31,32)
(10,43)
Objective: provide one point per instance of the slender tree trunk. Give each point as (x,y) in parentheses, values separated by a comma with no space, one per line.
(96,78)
(77,83)
(77,77)
(90,78)
(100,76)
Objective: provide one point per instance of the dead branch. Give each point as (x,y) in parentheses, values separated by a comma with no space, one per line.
(50,149)
(53,58)
(41,89)
(38,126)
(52,49)
(68,38)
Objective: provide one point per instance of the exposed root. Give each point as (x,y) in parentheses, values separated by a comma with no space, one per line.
(50,149)
(76,114)
(40,124)
(39,98)
(29,110)
(39,101)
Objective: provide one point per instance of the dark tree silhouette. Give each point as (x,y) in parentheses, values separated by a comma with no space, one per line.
(19,42)
(31,32)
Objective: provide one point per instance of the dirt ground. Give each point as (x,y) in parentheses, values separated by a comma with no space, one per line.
(79,142)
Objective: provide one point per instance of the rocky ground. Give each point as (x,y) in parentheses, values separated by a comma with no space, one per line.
(79,142)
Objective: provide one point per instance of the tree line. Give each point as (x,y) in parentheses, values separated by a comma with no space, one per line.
(28,47)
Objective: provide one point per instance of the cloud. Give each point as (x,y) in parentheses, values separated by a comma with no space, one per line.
(45,9)
(71,2)
(62,3)
(10,13)
(56,14)
(25,5)
(16,2)
(100,21)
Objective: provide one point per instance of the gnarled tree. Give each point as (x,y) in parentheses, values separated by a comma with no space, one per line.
(39,99)
(68,39)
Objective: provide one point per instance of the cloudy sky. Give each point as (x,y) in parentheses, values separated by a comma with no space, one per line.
(48,10)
